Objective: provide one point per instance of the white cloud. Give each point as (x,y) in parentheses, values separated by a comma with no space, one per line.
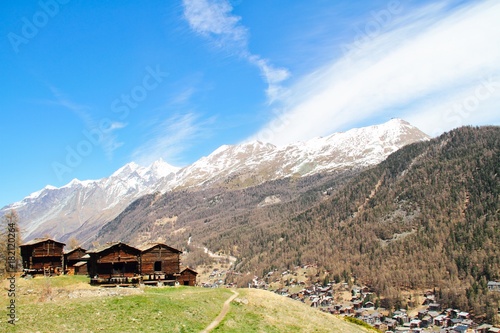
(82,111)
(427,60)
(171,138)
(108,139)
(213,19)
(273,76)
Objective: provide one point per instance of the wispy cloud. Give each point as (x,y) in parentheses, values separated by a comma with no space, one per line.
(429,60)
(214,20)
(171,138)
(183,97)
(82,111)
(108,140)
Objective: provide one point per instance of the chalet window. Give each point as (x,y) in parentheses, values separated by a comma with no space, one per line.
(157,267)
(118,268)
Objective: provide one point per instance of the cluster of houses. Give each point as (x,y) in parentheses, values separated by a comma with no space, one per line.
(112,264)
(431,318)
(216,279)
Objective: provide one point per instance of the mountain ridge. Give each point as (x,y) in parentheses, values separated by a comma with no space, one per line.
(79,207)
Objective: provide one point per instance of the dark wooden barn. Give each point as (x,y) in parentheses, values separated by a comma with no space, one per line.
(80,268)
(42,256)
(187,277)
(157,258)
(114,263)
(72,257)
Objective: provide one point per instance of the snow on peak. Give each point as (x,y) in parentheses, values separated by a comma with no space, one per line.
(126,170)
(221,149)
(161,168)
(398,121)
(75,182)
(35,195)
(72,183)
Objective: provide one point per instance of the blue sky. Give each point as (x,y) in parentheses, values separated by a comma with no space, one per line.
(88,86)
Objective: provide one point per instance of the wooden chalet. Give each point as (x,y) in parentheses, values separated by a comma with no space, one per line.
(42,256)
(81,267)
(115,263)
(160,262)
(187,277)
(122,264)
(73,257)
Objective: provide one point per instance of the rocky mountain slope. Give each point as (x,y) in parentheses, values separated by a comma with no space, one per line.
(80,208)
(197,216)
(426,217)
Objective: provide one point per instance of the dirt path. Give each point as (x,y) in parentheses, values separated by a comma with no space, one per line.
(222,314)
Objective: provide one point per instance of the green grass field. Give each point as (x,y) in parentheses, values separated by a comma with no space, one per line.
(68,304)
(262,311)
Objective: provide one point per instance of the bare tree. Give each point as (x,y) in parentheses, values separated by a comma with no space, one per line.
(73,243)
(10,236)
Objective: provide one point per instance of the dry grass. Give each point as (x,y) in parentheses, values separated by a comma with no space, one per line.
(262,311)
(44,289)
(69,304)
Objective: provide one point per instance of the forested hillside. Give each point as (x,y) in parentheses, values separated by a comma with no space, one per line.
(426,217)
(203,215)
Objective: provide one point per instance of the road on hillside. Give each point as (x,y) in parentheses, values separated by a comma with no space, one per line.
(222,314)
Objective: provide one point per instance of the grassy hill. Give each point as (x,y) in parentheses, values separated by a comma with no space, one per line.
(68,304)
(257,310)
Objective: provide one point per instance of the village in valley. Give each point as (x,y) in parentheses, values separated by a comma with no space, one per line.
(157,264)
(305,284)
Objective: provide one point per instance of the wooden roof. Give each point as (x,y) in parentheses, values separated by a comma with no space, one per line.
(41,240)
(149,246)
(73,250)
(189,269)
(111,245)
(80,263)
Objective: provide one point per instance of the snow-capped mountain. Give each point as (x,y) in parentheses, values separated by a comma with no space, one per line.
(85,205)
(80,208)
(253,162)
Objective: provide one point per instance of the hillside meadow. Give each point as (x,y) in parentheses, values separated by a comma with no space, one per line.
(69,304)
